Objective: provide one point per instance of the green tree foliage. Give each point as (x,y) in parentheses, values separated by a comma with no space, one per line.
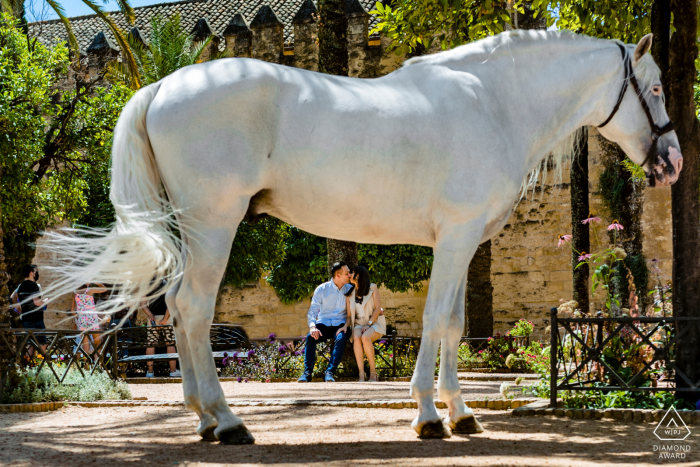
(15,8)
(412,24)
(257,248)
(305,266)
(168,49)
(397,267)
(608,19)
(53,138)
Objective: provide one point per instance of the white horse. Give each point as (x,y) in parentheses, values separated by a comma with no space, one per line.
(432,154)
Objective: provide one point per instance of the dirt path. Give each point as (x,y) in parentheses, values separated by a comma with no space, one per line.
(79,437)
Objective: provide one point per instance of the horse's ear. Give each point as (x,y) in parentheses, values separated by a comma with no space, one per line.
(643,47)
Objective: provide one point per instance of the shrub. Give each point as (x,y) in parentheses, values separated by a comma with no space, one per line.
(42,386)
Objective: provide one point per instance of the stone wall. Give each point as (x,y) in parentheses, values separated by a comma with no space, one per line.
(256,307)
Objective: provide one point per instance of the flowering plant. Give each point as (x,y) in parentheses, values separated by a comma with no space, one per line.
(605,266)
(263,362)
(522,328)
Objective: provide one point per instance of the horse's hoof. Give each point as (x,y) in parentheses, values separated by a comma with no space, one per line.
(238,434)
(207,433)
(206,428)
(469,425)
(434,429)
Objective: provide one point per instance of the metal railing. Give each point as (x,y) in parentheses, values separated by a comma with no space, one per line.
(394,355)
(61,351)
(62,346)
(634,354)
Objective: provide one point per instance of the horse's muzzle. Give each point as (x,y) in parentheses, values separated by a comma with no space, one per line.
(666,168)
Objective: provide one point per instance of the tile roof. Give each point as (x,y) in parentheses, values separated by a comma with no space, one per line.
(217,13)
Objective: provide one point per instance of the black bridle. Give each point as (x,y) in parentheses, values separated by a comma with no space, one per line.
(656,131)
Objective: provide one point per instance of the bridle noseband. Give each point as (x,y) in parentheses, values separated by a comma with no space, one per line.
(656,131)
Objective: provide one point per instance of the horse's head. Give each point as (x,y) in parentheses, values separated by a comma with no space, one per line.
(639,123)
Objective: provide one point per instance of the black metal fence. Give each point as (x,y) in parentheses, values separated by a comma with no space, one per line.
(395,355)
(59,350)
(636,354)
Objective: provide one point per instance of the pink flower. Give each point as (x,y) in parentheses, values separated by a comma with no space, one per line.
(564,239)
(584,256)
(615,226)
(591,219)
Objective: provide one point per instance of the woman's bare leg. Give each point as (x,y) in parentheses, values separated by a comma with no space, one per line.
(359,355)
(368,339)
(96,340)
(86,344)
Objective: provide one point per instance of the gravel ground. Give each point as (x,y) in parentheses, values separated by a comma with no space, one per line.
(313,391)
(79,437)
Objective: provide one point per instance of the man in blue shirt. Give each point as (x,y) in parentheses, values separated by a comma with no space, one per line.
(327,318)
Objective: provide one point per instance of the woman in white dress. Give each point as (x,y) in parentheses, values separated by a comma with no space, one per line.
(367,317)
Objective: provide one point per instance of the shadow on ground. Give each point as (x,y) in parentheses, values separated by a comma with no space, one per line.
(325,435)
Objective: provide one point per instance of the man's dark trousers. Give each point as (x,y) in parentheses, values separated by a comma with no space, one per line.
(327,332)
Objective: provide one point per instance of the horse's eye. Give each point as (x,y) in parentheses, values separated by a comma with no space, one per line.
(656,90)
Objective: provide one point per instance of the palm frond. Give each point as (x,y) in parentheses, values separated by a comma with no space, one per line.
(8,7)
(61,13)
(196,52)
(127,54)
(117,72)
(127,9)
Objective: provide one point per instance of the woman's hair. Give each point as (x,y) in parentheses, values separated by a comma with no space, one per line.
(363,282)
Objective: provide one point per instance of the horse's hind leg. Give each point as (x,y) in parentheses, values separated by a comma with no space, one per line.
(452,256)
(207,422)
(195,302)
(460,418)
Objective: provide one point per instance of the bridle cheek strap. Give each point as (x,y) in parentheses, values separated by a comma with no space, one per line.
(656,131)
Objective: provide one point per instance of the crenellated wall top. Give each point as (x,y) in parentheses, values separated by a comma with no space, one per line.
(221,17)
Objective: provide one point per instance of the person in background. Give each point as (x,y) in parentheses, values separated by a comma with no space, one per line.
(158,315)
(327,319)
(367,318)
(28,295)
(86,316)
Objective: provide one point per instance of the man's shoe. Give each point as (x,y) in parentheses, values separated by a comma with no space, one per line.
(330,378)
(176,374)
(305,378)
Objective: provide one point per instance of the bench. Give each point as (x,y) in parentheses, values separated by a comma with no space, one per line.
(225,339)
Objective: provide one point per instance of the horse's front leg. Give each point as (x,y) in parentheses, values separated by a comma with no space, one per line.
(447,281)
(460,418)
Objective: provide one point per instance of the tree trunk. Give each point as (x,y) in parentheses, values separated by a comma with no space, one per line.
(660,27)
(581,240)
(339,250)
(685,195)
(623,196)
(333,59)
(479,297)
(6,356)
(332,38)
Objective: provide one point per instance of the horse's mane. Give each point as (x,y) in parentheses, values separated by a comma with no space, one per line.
(483,50)
(646,71)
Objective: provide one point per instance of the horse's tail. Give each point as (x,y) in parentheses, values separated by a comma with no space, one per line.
(141,248)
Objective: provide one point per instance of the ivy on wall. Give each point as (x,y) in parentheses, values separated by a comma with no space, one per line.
(621,187)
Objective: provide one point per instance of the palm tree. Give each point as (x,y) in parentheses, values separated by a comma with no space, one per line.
(16,8)
(169,48)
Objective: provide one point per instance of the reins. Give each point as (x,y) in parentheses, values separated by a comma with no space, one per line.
(656,131)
